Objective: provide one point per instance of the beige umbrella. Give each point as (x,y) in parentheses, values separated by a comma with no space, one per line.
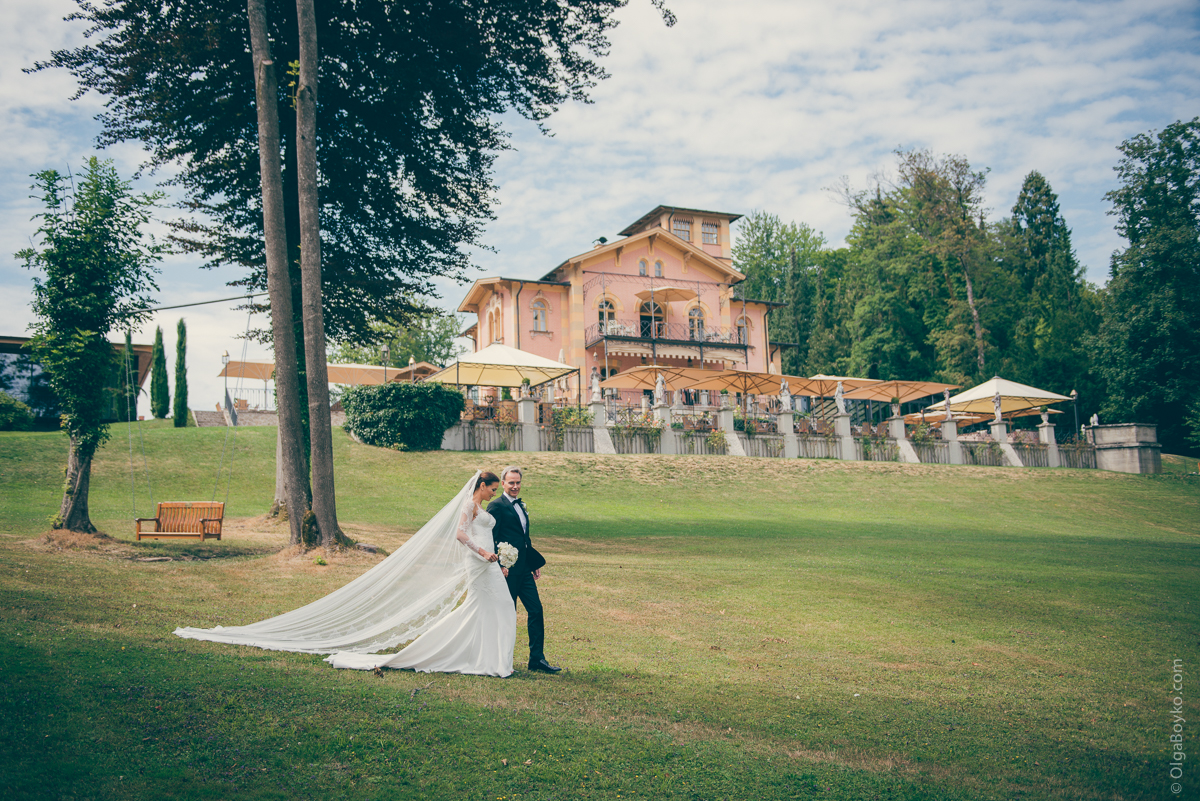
(825,386)
(904,390)
(646,377)
(501,366)
(747,382)
(1014,397)
(666,294)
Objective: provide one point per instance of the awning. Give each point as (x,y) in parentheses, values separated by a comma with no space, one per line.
(666,294)
(825,386)
(349,374)
(646,377)
(501,366)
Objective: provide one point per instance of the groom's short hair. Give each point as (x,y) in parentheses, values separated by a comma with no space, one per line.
(512,468)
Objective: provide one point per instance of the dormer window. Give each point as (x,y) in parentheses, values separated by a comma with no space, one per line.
(711,232)
(682,229)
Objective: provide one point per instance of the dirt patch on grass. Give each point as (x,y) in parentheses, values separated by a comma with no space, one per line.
(70,541)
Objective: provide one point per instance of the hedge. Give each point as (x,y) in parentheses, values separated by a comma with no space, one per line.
(403,416)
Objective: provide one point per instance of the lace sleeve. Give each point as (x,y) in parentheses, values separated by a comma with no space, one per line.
(463,534)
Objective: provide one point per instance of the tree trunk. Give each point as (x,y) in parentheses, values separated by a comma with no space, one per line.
(974,317)
(278,286)
(73,515)
(324,505)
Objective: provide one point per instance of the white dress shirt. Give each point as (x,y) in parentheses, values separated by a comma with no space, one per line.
(520,512)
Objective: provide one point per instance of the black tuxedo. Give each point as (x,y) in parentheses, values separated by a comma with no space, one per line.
(521,583)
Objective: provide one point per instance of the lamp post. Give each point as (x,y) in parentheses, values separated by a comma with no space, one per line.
(1075,406)
(386,353)
(412,379)
(225,370)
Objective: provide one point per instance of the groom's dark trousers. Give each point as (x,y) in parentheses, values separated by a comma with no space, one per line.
(521,583)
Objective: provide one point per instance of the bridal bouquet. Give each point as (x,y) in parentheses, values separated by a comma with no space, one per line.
(508,554)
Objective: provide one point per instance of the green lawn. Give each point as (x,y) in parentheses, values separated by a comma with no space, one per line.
(731,628)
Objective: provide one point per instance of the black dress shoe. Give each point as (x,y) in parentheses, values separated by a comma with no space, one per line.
(544,666)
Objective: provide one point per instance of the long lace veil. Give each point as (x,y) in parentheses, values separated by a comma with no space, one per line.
(390,604)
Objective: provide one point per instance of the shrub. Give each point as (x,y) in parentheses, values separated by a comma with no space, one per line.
(14,415)
(406,417)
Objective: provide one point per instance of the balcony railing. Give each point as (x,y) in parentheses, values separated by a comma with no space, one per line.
(645,328)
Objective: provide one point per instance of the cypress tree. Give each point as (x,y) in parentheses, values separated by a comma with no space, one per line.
(181,392)
(160,402)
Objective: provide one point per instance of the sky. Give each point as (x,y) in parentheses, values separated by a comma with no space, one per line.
(759,105)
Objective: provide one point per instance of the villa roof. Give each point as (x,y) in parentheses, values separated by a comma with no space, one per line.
(657,210)
(697,253)
(475,293)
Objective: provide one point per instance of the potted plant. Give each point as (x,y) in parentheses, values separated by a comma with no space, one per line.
(895,407)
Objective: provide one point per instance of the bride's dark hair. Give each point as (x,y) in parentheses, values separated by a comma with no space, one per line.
(486,478)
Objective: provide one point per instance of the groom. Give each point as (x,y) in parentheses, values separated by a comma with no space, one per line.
(512,526)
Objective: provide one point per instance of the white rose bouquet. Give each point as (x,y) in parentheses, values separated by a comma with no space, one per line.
(508,554)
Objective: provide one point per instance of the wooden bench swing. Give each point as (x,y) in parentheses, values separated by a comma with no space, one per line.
(181,520)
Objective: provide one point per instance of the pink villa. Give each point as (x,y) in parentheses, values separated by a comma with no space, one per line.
(663,293)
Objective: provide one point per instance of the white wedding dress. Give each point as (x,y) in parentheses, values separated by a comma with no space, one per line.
(478,637)
(435,595)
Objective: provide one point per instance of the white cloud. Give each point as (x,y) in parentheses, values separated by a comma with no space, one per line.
(762,104)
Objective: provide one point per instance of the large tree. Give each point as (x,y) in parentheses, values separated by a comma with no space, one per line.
(407,131)
(1042,310)
(1147,347)
(98,272)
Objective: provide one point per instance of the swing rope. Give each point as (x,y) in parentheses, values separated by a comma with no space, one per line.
(130,413)
(225,446)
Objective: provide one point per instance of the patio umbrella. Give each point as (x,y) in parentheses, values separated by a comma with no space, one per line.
(666,294)
(904,390)
(500,366)
(1014,397)
(824,386)
(748,382)
(646,377)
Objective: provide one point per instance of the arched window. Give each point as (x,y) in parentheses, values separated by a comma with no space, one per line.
(651,319)
(658,269)
(608,315)
(696,323)
(743,331)
(642,267)
(541,312)
(491,328)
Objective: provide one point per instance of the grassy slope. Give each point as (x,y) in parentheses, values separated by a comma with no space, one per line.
(733,629)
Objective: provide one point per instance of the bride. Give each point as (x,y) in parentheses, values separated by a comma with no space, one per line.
(442,592)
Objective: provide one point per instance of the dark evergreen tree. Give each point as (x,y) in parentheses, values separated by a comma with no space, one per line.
(1042,310)
(160,402)
(1147,348)
(181,388)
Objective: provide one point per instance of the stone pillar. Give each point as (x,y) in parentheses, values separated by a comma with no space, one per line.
(1000,437)
(904,449)
(791,447)
(1127,447)
(667,443)
(527,423)
(841,427)
(601,441)
(950,435)
(725,423)
(599,414)
(1046,437)
(999,432)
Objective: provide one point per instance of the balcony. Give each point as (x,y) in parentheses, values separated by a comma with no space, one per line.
(646,331)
